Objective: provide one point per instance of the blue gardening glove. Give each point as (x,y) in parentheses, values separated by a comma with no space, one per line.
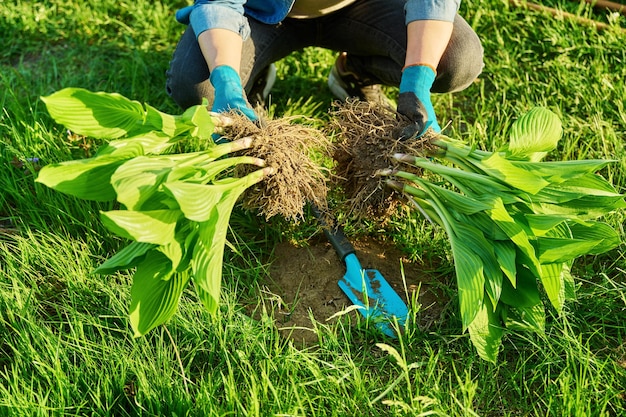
(229,93)
(414,101)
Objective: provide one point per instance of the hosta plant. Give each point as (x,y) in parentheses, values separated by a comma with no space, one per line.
(173,207)
(515,222)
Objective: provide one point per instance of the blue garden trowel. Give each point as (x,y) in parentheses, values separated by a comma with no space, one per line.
(365,288)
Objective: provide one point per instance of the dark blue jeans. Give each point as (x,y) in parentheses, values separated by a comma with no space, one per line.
(373,32)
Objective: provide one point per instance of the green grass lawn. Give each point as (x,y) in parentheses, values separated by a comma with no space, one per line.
(65,344)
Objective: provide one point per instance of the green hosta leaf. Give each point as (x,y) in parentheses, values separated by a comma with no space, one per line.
(197,201)
(470,280)
(126,258)
(561,171)
(88,179)
(99,115)
(591,207)
(577,211)
(162,122)
(562,250)
(192,159)
(588,185)
(525,318)
(525,294)
(215,168)
(204,169)
(534,134)
(582,239)
(553,282)
(138,179)
(121,149)
(486,225)
(486,332)
(180,250)
(568,282)
(155,293)
(458,202)
(155,226)
(199,122)
(207,259)
(505,253)
(516,233)
(542,224)
(517,178)
(585,195)
(426,209)
(492,273)
(482,184)
(174,251)
(146,143)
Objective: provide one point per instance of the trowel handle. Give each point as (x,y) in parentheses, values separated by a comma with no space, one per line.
(334,234)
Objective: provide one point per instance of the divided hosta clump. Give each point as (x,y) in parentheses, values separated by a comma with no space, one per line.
(174,207)
(514,221)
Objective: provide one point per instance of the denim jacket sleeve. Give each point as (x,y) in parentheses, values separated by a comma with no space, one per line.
(431,10)
(215,14)
(231,14)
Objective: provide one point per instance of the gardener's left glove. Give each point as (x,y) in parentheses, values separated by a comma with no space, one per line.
(414,101)
(229,94)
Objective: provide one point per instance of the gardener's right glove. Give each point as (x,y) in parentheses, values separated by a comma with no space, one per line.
(414,101)
(229,94)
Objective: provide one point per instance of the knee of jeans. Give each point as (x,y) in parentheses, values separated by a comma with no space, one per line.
(172,90)
(187,95)
(467,72)
(461,64)
(461,73)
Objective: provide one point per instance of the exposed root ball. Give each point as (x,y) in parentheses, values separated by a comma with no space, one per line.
(288,148)
(367,141)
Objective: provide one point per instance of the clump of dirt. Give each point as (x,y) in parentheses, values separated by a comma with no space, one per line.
(368,138)
(288,148)
(301,289)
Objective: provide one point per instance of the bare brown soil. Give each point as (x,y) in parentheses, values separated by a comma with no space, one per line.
(301,290)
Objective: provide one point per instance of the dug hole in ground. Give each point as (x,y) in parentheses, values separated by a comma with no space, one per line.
(300,291)
(301,286)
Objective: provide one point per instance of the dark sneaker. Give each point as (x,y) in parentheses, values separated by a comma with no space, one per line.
(262,86)
(345,84)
